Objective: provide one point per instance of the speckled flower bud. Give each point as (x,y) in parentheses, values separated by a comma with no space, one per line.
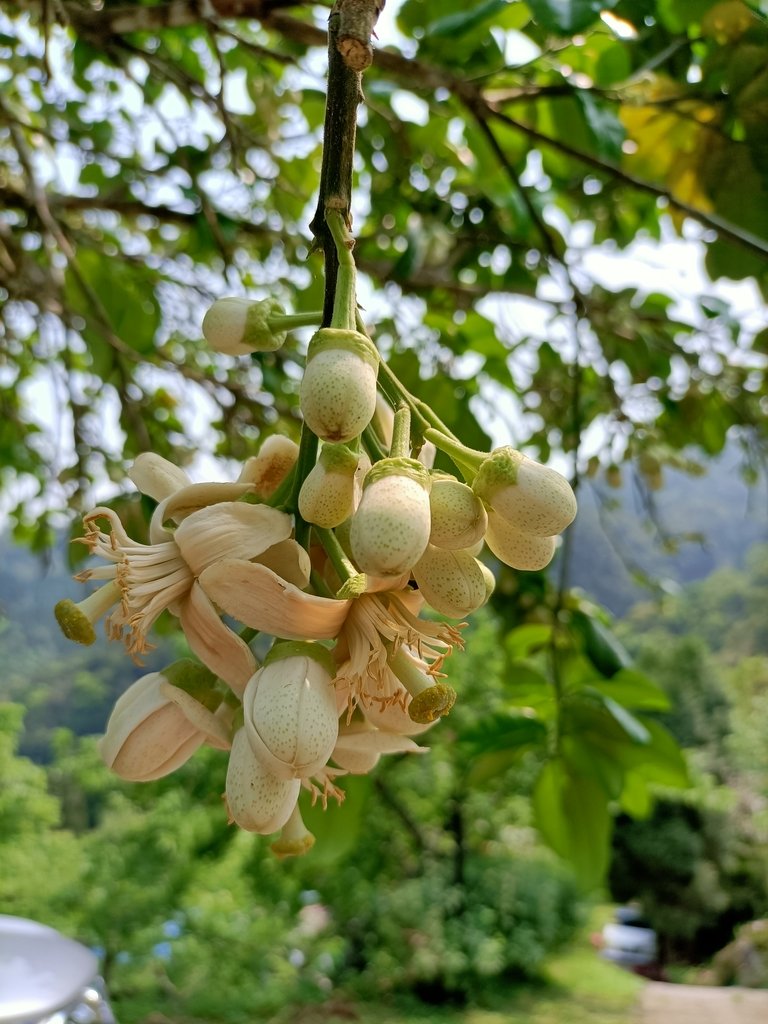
(238,326)
(532,497)
(327,496)
(458,516)
(256,799)
(454,583)
(338,390)
(390,530)
(290,710)
(516,548)
(156,726)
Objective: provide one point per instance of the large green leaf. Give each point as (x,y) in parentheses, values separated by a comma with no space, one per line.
(571,812)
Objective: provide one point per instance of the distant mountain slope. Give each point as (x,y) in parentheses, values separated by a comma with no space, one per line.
(620,552)
(62,684)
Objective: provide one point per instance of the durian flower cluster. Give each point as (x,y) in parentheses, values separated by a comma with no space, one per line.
(332,550)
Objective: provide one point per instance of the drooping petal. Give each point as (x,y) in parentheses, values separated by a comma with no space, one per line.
(196,496)
(290,561)
(360,746)
(255,595)
(230,529)
(157,477)
(198,715)
(214,643)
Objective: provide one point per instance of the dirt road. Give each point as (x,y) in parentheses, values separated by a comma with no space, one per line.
(694,1004)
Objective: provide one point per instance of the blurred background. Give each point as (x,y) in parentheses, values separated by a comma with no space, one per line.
(561,212)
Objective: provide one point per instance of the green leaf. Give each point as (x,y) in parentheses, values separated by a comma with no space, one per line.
(565,17)
(528,639)
(601,646)
(606,130)
(525,686)
(504,731)
(337,829)
(631,725)
(463,21)
(679,15)
(571,812)
(634,690)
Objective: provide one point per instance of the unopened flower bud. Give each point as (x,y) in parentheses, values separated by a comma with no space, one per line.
(458,516)
(532,497)
(290,710)
(238,326)
(454,583)
(338,389)
(327,496)
(390,529)
(267,470)
(156,726)
(256,799)
(515,548)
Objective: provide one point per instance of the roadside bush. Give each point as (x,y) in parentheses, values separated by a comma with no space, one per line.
(443,939)
(695,873)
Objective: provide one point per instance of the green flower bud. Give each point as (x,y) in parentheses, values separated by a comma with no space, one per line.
(454,583)
(532,497)
(290,710)
(338,390)
(516,548)
(458,516)
(390,530)
(327,496)
(239,326)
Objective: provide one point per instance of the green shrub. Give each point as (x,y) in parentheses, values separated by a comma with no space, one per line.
(442,939)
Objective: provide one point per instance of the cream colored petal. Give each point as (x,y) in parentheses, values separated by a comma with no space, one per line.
(359,747)
(214,643)
(255,595)
(157,477)
(376,584)
(157,752)
(190,499)
(267,470)
(290,561)
(200,717)
(230,529)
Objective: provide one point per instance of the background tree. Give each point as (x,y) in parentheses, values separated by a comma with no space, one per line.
(152,158)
